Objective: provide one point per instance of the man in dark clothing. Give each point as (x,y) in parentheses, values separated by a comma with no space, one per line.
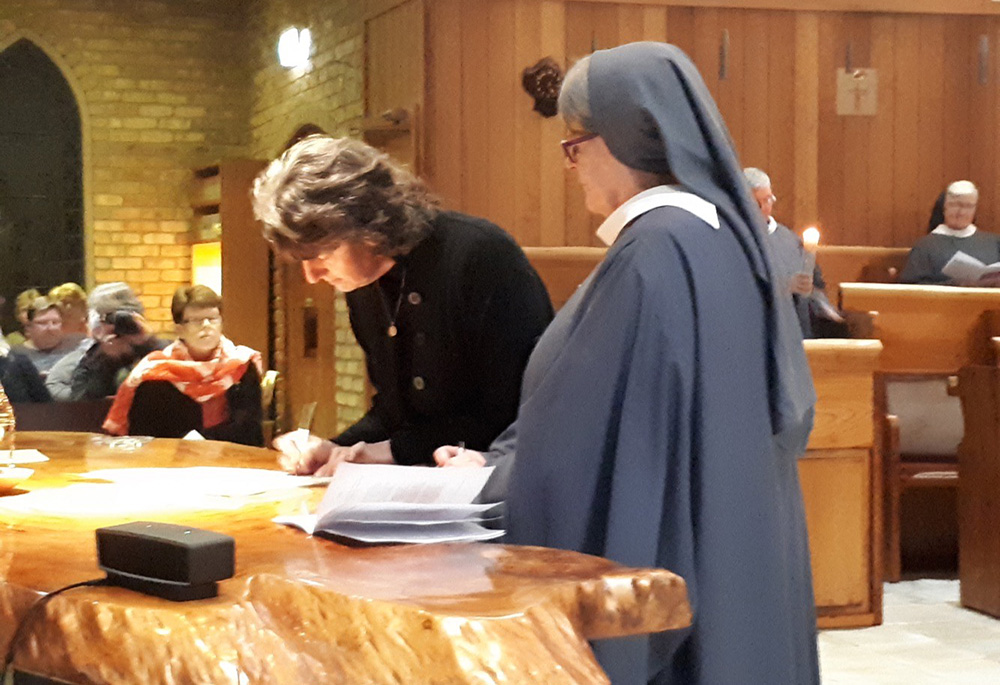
(20,379)
(445,306)
(121,338)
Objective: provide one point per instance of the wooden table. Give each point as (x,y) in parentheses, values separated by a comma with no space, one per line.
(302,609)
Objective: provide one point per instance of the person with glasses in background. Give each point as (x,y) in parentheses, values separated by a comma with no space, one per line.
(664,409)
(446,307)
(807,290)
(954,233)
(201,382)
(119,337)
(45,344)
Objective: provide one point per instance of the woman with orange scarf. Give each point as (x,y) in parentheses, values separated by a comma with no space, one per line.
(202,381)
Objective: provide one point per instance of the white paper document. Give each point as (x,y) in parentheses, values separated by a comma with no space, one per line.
(378,504)
(207,480)
(965,268)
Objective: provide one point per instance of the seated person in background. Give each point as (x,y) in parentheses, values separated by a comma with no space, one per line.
(957,233)
(121,337)
(72,301)
(202,381)
(21,306)
(788,258)
(46,344)
(20,378)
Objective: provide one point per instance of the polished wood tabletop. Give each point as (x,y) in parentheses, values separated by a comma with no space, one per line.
(300,609)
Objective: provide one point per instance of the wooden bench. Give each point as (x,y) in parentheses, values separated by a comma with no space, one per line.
(841,476)
(928,334)
(860,264)
(563,269)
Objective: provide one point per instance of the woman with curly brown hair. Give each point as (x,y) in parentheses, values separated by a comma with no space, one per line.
(445,306)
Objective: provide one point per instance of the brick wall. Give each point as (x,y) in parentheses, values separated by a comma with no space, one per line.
(163,87)
(328,93)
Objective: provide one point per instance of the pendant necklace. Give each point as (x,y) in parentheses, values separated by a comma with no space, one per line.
(392,330)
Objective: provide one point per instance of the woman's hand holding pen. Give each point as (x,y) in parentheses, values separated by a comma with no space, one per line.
(303,453)
(457,455)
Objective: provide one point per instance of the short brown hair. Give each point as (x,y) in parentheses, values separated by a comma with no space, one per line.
(42,304)
(25,299)
(193,296)
(325,191)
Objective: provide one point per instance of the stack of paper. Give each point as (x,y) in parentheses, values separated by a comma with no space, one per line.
(965,268)
(377,504)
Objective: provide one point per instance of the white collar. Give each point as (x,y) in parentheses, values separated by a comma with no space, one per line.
(647,200)
(951,232)
(772,225)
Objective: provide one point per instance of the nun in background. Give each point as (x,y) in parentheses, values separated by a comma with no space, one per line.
(955,232)
(663,409)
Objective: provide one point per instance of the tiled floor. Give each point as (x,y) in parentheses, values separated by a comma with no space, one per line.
(926,638)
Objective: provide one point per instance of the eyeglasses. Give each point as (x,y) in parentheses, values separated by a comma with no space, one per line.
(203,321)
(571,147)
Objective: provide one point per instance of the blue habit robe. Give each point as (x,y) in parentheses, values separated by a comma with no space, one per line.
(644,436)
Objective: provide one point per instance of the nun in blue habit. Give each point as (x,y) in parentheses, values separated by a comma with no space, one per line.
(664,408)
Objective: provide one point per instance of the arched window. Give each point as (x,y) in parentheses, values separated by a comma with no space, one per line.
(41,176)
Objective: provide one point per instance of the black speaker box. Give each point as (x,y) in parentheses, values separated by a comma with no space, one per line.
(175,562)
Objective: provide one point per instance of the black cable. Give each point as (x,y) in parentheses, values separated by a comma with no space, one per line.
(30,613)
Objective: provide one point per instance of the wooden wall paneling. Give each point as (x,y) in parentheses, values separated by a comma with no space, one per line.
(705,50)
(932,103)
(984,131)
(830,139)
(630,26)
(310,379)
(730,91)
(806,129)
(855,153)
(991,215)
(554,197)
(680,28)
(443,165)
(869,6)
(654,23)
(959,68)
(982,124)
(502,77)
(881,160)
(753,150)
(475,160)
(909,210)
(587,26)
(528,142)
(781,114)
(394,62)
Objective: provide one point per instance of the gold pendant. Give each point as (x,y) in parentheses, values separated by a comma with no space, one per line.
(392,330)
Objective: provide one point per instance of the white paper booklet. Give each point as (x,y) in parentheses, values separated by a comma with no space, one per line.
(376,504)
(965,268)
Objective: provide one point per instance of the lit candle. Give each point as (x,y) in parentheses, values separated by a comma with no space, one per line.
(810,243)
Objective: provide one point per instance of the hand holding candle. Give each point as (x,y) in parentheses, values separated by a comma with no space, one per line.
(810,243)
